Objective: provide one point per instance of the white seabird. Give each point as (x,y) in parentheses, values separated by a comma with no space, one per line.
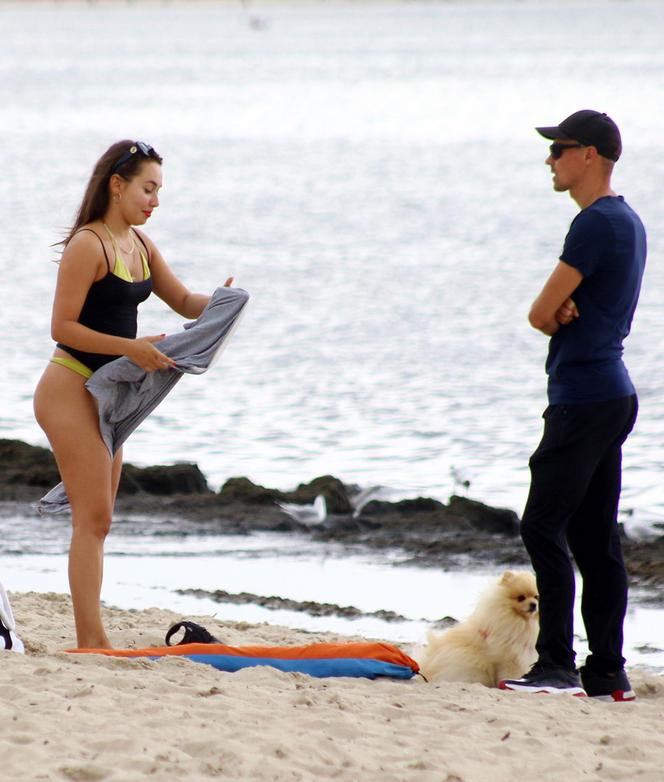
(462,477)
(364,497)
(309,515)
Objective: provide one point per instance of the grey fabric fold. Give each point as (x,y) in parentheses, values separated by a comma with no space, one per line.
(127,394)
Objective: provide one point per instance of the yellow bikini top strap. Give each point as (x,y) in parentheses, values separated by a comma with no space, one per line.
(146,265)
(112,238)
(145,256)
(120,268)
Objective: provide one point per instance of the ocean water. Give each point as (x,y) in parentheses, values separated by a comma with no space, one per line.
(370,174)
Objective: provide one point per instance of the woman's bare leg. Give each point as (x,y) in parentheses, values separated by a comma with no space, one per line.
(68,414)
(116,473)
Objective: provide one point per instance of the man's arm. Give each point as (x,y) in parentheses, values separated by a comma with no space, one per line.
(554,306)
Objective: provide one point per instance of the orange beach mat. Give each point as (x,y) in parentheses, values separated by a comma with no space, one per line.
(368,660)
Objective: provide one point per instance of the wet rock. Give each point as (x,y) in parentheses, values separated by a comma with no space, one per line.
(444,623)
(27,465)
(403,507)
(645,565)
(245,491)
(460,514)
(164,480)
(495,521)
(27,471)
(424,531)
(276,603)
(334,491)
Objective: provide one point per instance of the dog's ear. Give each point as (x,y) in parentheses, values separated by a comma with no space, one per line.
(507,577)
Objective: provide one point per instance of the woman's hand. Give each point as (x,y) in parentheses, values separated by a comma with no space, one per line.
(143,353)
(229,282)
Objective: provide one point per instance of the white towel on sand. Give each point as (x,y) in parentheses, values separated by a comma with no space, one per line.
(8,638)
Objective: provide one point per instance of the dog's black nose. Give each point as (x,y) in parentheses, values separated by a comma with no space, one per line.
(532,608)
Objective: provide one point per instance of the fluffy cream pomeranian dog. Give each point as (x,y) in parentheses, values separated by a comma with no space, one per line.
(497,641)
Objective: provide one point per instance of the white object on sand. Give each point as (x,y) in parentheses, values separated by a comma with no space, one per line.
(8,638)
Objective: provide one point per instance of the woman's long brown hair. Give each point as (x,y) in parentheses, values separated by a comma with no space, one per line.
(96,198)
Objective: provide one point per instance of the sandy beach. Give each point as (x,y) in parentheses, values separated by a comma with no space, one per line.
(88,717)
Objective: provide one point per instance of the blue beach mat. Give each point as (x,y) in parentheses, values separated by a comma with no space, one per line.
(365,660)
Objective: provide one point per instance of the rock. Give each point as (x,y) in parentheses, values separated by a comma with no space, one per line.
(275,603)
(334,491)
(23,465)
(163,480)
(645,563)
(425,531)
(28,465)
(461,514)
(246,491)
(403,507)
(496,521)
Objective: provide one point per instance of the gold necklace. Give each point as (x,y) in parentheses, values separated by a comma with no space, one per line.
(115,240)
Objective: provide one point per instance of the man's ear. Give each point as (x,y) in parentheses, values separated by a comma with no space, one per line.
(591,154)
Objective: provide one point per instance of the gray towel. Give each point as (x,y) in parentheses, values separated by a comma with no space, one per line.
(127,394)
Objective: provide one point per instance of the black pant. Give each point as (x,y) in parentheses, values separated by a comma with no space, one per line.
(573,500)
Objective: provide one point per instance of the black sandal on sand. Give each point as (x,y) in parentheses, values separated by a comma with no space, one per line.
(193,634)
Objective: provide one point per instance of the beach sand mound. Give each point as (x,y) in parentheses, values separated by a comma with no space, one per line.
(66,717)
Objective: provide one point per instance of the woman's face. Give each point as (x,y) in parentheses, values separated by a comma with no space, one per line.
(140,196)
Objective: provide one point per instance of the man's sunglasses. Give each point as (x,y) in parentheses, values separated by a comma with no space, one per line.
(556,149)
(139,146)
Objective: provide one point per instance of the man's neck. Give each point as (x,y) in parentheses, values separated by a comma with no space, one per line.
(586,193)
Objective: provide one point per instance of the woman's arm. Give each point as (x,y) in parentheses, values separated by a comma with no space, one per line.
(83,262)
(170,290)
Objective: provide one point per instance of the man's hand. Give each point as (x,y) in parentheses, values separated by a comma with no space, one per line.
(554,298)
(567,312)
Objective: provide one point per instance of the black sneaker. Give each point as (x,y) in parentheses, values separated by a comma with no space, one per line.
(607,686)
(544,678)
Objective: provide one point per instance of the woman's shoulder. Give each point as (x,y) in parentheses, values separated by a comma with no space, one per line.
(88,235)
(86,245)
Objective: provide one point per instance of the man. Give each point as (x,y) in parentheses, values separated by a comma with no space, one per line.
(586,307)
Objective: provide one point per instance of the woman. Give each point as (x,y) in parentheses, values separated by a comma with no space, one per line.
(107,269)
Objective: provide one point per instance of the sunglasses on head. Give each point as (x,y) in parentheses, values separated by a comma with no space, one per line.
(556,149)
(139,146)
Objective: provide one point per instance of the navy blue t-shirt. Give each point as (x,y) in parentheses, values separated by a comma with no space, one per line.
(607,244)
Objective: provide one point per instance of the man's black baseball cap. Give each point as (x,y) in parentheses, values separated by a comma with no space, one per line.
(592,128)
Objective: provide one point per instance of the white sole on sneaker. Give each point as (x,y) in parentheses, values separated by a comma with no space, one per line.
(623,697)
(579,692)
